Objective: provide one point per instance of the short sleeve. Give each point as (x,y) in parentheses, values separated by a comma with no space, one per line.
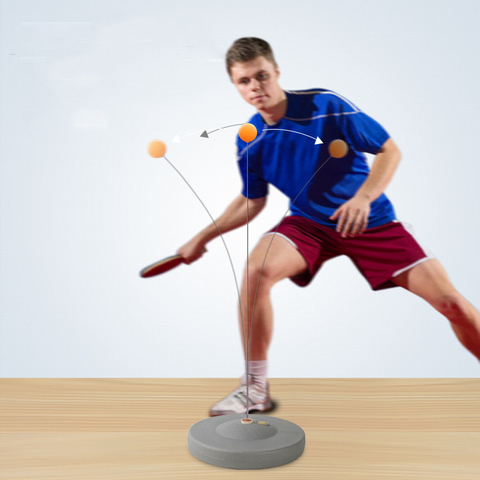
(363,132)
(257,186)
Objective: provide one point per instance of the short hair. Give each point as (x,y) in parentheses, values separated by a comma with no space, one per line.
(246,49)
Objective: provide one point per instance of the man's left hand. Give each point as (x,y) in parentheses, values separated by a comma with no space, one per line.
(352,216)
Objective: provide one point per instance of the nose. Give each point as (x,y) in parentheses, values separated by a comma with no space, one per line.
(255,85)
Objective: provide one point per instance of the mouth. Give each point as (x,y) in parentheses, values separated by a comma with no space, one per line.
(258,97)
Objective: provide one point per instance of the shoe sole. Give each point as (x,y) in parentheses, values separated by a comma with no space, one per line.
(250,410)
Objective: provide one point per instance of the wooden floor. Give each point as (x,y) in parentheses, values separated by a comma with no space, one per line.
(356,429)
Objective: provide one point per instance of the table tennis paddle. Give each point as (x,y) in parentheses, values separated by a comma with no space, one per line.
(163,265)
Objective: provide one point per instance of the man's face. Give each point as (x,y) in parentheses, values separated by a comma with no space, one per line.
(257,82)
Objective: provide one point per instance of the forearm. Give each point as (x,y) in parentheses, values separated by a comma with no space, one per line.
(235,216)
(382,171)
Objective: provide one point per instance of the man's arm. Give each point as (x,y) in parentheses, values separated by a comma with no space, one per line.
(235,216)
(353,215)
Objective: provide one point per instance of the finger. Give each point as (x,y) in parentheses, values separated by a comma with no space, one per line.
(341,221)
(365,221)
(357,225)
(347,220)
(347,227)
(364,224)
(335,214)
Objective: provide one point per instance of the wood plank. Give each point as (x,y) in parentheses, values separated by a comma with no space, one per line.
(137,428)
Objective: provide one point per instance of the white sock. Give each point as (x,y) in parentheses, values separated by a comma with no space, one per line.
(258,368)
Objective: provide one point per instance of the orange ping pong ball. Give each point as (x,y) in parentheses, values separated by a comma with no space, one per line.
(156,149)
(338,148)
(247,132)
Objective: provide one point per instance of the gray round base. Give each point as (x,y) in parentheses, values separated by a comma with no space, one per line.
(227,442)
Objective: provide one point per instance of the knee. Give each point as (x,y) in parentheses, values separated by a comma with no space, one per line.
(453,306)
(261,275)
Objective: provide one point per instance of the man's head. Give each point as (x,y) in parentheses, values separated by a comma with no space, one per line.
(246,49)
(254,72)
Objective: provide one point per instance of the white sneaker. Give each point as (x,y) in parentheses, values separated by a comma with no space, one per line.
(236,402)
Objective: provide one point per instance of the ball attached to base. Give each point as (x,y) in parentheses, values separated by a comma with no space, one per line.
(247,132)
(156,148)
(338,148)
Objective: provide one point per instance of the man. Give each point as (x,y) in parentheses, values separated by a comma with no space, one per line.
(341,211)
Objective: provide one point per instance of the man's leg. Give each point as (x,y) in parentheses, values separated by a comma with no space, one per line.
(430,281)
(283,260)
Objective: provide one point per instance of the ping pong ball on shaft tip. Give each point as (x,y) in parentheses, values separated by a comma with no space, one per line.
(338,148)
(156,149)
(247,132)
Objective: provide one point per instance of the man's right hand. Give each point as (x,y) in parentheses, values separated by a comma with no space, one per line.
(192,251)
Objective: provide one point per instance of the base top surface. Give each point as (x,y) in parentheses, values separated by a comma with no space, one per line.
(227,442)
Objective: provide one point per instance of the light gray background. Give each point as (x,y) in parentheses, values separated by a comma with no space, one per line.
(85,86)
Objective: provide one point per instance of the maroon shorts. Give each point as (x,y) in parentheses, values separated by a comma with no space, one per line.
(380,253)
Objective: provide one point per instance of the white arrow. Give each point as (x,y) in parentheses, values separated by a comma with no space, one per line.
(205,134)
(178,138)
(318,141)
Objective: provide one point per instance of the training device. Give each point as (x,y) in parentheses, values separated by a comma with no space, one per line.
(252,443)
(240,441)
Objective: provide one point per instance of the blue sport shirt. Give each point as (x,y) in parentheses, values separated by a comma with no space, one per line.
(288,160)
